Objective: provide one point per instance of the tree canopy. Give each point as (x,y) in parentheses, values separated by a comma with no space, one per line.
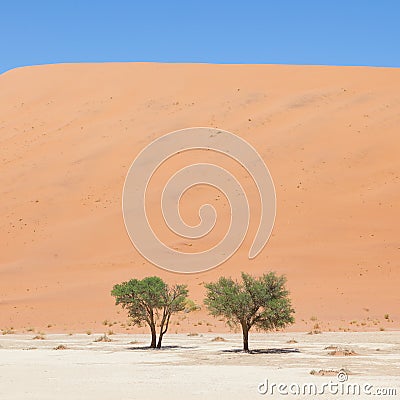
(262,302)
(151,301)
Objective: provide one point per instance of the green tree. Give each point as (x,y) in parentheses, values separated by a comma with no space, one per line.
(173,300)
(150,301)
(262,302)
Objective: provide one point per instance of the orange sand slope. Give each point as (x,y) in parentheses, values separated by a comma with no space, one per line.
(329,135)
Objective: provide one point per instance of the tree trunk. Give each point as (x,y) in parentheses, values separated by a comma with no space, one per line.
(245,331)
(163,328)
(159,340)
(153,336)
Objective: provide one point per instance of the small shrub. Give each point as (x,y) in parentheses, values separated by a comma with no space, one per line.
(191,306)
(331,347)
(60,347)
(8,331)
(328,372)
(342,352)
(103,338)
(38,337)
(218,339)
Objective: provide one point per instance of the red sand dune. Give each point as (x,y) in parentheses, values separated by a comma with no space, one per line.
(329,136)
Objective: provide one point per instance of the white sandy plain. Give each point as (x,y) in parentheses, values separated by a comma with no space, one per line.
(197,368)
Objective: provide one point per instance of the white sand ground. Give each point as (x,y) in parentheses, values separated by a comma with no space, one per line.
(197,368)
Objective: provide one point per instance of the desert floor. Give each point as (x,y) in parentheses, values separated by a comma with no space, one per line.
(191,367)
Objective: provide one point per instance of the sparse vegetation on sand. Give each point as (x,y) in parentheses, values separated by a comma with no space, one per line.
(219,339)
(342,352)
(331,347)
(191,306)
(103,338)
(316,330)
(8,331)
(39,337)
(328,372)
(61,347)
(262,302)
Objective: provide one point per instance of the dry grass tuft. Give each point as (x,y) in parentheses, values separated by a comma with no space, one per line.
(331,347)
(103,338)
(328,372)
(218,339)
(61,347)
(8,331)
(342,352)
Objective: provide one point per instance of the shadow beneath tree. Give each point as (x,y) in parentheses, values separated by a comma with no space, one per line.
(263,351)
(162,348)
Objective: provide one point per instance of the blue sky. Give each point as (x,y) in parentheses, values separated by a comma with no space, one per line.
(338,32)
